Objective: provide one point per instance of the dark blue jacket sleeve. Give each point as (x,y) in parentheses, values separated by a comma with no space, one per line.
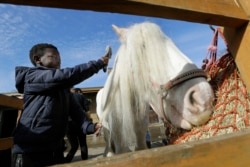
(79,116)
(43,79)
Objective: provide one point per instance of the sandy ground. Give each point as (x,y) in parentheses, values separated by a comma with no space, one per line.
(97,152)
(96,145)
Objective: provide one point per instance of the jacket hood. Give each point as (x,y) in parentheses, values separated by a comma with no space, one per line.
(20,78)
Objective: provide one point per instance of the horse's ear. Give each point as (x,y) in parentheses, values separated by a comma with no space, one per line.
(121,32)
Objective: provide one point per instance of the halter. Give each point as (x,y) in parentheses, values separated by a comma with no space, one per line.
(163,91)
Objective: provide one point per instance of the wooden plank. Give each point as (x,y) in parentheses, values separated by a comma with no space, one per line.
(10,102)
(226,150)
(222,12)
(239,44)
(245,5)
(6,143)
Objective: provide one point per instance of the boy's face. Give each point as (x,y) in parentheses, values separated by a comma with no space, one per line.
(50,59)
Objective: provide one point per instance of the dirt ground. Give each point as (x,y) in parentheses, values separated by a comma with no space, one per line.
(96,146)
(97,152)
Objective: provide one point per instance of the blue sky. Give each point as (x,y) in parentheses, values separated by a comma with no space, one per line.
(80,36)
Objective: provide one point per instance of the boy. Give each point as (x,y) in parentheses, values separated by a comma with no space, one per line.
(47,104)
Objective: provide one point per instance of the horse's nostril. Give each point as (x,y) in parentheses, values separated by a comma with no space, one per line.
(191,98)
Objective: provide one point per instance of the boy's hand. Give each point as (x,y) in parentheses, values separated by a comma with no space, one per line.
(105,60)
(98,127)
(106,57)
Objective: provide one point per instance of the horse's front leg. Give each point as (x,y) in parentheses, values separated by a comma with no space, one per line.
(141,143)
(109,147)
(121,147)
(141,139)
(119,141)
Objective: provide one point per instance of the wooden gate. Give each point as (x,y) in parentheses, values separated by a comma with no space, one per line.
(233,15)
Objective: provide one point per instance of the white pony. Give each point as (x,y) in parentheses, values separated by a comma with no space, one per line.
(149,70)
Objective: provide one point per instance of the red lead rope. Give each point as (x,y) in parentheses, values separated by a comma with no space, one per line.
(211,57)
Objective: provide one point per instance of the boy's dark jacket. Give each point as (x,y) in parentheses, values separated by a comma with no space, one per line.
(47,105)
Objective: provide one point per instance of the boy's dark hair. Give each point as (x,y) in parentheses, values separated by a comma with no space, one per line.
(38,50)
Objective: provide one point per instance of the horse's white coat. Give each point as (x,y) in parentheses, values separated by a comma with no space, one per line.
(146,59)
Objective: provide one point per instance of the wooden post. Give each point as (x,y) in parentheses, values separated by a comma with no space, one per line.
(239,44)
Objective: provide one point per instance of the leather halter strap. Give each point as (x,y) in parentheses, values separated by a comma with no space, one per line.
(195,73)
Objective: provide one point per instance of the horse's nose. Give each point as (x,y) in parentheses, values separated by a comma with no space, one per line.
(199,100)
(199,103)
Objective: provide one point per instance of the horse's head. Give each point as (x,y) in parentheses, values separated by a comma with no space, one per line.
(186,100)
(160,74)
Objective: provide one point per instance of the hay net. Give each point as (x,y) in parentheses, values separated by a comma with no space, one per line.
(232,101)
